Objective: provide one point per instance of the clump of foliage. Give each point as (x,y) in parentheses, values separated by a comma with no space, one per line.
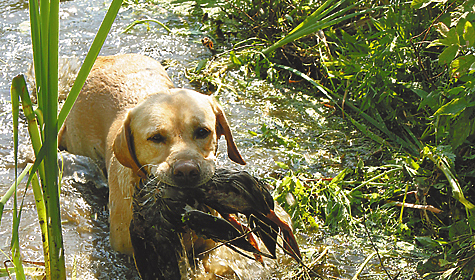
(404,75)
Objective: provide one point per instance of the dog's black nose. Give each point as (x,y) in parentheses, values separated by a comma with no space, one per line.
(186,173)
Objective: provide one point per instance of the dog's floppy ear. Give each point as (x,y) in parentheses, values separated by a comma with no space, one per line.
(124,149)
(222,128)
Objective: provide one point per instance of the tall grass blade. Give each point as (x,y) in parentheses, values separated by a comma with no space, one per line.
(35,137)
(35,25)
(141,21)
(4,199)
(31,117)
(50,113)
(43,124)
(15,242)
(41,211)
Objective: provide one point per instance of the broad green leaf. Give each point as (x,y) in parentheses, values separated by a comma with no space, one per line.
(430,100)
(462,65)
(469,34)
(450,38)
(460,26)
(471,222)
(454,107)
(453,93)
(421,93)
(428,242)
(462,128)
(448,55)
(459,228)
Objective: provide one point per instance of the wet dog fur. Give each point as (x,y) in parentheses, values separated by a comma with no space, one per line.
(133,122)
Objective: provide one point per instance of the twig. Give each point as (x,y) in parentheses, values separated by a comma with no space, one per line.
(362,266)
(418,206)
(322,254)
(377,252)
(6,268)
(344,98)
(240,10)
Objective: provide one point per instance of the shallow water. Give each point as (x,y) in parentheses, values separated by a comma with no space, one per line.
(323,139)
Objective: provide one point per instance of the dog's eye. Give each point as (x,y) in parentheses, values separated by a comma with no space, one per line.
(157,138)
(202,132)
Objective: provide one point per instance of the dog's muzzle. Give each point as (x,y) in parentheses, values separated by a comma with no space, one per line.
(186,173)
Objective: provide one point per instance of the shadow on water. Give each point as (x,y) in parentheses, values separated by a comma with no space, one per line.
(269,127)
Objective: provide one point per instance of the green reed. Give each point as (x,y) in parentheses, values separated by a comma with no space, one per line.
(44,123)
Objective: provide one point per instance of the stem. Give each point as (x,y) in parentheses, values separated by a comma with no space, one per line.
(15,242)
(51,186)
(11,190)
(454,184)
(362,266)
(146,20)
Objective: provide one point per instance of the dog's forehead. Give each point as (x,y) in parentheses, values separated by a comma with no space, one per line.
(181,108)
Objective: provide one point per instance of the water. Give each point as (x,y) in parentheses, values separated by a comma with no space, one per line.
(322,137)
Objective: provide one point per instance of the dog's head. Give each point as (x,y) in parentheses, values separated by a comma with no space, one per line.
(174,136)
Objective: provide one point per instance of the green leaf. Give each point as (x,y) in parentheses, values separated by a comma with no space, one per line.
(453,93)
(450,38)
(469,34)
(458,229)
(234,59)
(428,242)
(454,107)
(421,93)
(430,100)
(448,55)
(471,222)
(201,65)
(462,65)
(419,4)
(462,128)
(282,165)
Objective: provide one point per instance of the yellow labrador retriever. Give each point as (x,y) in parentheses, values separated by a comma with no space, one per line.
(133,122)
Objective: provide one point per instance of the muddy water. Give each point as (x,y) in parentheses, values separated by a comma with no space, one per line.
(249,106)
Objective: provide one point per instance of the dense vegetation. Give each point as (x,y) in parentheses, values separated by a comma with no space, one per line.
(403,74)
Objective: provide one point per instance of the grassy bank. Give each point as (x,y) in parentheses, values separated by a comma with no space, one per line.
(402,74)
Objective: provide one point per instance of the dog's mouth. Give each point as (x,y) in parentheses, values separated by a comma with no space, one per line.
(182,174)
